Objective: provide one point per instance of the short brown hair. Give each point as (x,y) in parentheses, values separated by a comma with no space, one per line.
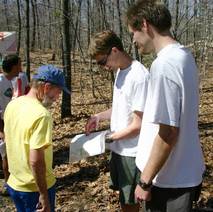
(153,11)
(9,61)
(103,42)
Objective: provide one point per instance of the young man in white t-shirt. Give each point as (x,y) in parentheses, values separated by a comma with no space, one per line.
(11,66)
(129,97)
(169,151)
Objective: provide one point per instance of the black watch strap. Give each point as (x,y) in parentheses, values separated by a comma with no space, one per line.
(144,185)
(108,138)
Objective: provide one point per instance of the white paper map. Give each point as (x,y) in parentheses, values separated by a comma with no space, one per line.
(82,146)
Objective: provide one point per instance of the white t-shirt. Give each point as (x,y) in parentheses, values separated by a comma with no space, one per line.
(173,99)
(129,95)
(6,92)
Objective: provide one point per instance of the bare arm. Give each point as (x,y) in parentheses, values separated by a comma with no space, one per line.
(93,121)
(132,130)
(105,115)
(37,163)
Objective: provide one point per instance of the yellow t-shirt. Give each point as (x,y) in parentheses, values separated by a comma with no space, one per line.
(28,125)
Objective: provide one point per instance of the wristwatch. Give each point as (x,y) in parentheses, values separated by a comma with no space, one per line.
(108,138)
(144,185)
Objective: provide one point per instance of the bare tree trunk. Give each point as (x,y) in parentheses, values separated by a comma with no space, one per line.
(88,22)
(38,26)
(34,26)
(195,28)
(111,9)
(176,19)
(92,21)
(187,22)
(119,20)
(50,25)
(79,22)
(105,24)
(77,26)
(19,27)
(204,56)
(66,99)
(97,21)
(6,14)
(76,32)
(56,38)
(28,39)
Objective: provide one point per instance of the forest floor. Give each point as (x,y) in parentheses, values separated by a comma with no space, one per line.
(83,186)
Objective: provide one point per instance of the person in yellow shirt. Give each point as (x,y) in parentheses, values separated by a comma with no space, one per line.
(28,136)
(11,66)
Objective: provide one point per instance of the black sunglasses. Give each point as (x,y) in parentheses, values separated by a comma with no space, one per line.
(104,60)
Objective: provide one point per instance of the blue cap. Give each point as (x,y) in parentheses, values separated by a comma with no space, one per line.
(51,74)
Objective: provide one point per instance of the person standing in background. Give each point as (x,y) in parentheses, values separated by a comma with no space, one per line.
(11,66)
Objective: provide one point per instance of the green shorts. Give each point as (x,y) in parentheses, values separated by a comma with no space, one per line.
(124,177)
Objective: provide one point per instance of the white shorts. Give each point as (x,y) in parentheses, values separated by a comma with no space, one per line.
(2,149)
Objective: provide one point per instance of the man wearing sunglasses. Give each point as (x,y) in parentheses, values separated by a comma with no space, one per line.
(129,97)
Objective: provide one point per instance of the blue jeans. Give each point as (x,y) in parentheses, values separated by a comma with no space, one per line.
(27,201)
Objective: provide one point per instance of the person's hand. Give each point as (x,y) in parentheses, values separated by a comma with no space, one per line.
(43,205)
(108,137)
(91,124)
(141,194)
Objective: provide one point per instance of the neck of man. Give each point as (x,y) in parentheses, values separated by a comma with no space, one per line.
(35,94)
(125,61)
(162,40)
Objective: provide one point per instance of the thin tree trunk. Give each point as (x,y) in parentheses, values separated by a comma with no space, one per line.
(97,21)
(76,33)
(88,22)
(119,20)
(79,22)
(204,57)
(37,26)
(19,27)
(34,25)
(66,99)
(50,26)
(28,39)
(105,24)
(176,19)
(195,28)
(6,14)
(187,22)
